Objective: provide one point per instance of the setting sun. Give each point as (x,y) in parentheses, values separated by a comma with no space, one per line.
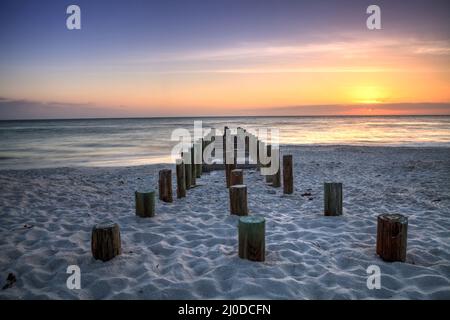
(369,95)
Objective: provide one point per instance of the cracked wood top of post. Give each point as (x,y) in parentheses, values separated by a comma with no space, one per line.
(252,219)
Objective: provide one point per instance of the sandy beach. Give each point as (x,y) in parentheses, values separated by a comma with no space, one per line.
(189,249)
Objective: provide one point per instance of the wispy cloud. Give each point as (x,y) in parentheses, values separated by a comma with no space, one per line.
(269,70)
(434,50)
(362,109)
(30,109)
(11,109)
(350,55)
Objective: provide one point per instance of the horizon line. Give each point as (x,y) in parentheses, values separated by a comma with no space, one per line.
(233,116)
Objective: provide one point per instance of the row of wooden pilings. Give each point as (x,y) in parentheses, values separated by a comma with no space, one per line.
(187,173)
(105,241)
(105,238)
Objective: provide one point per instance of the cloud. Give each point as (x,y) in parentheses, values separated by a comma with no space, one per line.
(339,54)
(11,109)
(424,108)
(267,70)
(26,109)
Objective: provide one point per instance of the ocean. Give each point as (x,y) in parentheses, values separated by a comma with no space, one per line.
(137,141)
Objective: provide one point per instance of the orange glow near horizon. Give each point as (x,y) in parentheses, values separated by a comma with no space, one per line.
(229,94)
(352,74)
(369,95)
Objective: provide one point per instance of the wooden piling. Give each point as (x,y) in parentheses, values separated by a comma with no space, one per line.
(288,177)
(228,168)
(186,156)
(269,154)
(392,233)
(105,241)
(238,200)
(276,177)
(145,204)
(198,170)
(225,134)
(236,177)
(247,146)
(198,160)
(213,140)
(193,168)
(165,185)
(333,199)
(251,238)
(258,158)
(204,143)
(181,182)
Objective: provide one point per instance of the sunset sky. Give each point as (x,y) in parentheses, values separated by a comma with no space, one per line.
(177,58)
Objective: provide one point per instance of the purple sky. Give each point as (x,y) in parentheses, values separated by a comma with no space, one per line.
(161,57)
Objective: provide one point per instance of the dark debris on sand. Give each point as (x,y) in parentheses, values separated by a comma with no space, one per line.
(10,280)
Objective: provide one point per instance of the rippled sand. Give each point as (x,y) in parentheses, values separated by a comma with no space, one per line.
(189,250)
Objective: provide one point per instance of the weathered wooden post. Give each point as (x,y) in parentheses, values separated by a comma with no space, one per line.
(198,170)
(228,168)
(247,146)
(198,160)
(145,204)
(241,146)
(105,241)
(165,185)
(258,158)
(276,178)
(269,154)
(193,167)
(187,169)
(252,149)
(236,177)
(213,140)
(204,143)
(252,243)
(288,177)
(181,182)
(238,200)
(333,199)
(392,233)
(225,134)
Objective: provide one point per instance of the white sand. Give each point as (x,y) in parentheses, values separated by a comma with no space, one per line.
(189,250)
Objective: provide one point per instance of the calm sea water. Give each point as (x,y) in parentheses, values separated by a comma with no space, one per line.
(117,142)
